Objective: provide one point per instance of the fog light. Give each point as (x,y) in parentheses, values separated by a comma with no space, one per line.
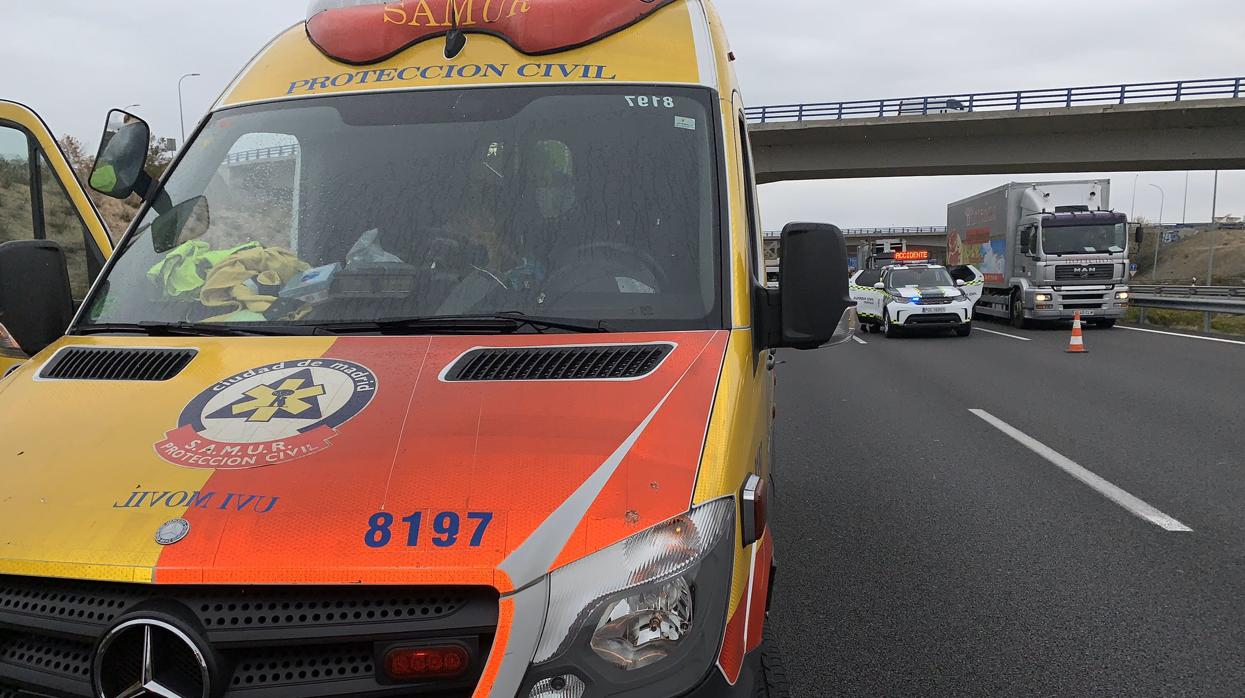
(1045,306)
(413,663)
(1043,298)
(568,686)
(645,627)
(1121,295)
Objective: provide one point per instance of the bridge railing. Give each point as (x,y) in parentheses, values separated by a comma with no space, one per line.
(1176,91)
(269,153)
(877,232)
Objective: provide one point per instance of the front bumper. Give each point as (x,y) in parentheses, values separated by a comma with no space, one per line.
(1090,302)
(948,315)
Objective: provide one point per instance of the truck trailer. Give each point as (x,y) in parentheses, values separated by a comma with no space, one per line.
(1047,250)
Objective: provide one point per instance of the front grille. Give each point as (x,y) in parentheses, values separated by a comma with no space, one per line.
(53,656)
(934,301)
(932,319)
(319,641)
(605,362)
(116,364)
(1083,272)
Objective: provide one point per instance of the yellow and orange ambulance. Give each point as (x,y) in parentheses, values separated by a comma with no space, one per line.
(438,364)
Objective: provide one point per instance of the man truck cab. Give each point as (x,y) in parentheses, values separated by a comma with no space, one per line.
(439,363)
(41,202)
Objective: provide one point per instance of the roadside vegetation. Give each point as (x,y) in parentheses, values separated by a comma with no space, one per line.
(1188,320)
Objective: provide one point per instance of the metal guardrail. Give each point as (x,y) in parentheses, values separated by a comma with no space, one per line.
(1177,91)
(272,152)
(1203,299)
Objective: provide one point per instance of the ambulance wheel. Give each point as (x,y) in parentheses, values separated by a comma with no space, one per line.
(964,330)
(772,680)
(887,328)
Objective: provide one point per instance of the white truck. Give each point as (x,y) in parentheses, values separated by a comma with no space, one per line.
(1046,250)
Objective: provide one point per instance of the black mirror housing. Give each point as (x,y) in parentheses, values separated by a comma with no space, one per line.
(119,164)
(36,303)
(812,304)
(186,221)
(1139,236)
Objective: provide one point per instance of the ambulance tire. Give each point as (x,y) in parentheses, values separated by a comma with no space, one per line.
(888,329)
(772,680)
(964,330)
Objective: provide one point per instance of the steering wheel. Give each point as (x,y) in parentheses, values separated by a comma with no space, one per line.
(594,261)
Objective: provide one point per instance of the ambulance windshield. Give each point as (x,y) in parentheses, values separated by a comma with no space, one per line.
(585,204)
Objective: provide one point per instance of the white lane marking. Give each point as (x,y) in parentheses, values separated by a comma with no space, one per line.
(1003,334)
(1178,334)
(859,340)
(1106,489)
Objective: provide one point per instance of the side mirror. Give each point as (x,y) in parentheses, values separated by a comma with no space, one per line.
(960,282)
(186,221)
(118,170)
(812,308)
(36,303)
(880,286)
(1139,235)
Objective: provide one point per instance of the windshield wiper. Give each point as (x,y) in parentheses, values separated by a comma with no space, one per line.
(494,323)
(192,329)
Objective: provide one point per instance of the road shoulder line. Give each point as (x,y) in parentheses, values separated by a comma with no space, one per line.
(1124,499)
(1179,334)
(1002,334)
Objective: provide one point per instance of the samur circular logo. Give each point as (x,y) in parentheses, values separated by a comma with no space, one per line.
(269,415)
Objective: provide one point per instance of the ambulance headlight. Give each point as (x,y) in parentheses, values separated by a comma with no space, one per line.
(644,609)
(900,299)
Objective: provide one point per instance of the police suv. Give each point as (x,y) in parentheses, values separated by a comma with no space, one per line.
(900,297)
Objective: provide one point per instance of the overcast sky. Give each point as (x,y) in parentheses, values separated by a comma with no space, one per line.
(72,61)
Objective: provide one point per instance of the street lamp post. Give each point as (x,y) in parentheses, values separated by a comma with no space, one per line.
(1154,272)
(181,113)
(1214,204)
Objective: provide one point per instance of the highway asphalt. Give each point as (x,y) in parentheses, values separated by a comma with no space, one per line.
(923,551)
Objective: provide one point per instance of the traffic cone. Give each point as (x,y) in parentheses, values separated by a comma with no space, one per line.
(1077,344)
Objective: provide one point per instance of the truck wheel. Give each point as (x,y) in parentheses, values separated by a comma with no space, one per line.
(772,681)
(1105,324)
(964,330)
(888,329)
(1018,313)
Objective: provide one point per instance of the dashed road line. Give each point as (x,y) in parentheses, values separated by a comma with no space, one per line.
(1179,334)
(1106,489)
(1002,334)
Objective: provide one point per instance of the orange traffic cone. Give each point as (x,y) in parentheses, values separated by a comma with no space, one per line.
(1077,344)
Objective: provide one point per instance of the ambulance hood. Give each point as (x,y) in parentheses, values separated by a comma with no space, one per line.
(347,460)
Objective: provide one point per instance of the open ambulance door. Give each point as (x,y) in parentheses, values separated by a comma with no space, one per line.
(868,299)
(974,280)
(42,200)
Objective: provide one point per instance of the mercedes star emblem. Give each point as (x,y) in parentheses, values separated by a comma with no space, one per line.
(147,657)
(172,531)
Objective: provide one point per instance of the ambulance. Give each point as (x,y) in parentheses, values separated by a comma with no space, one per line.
(439,363)
(916,295)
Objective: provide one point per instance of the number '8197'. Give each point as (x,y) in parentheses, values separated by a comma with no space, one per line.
(447,529)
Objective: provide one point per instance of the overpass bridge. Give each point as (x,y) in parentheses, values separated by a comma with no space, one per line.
(1182,125)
